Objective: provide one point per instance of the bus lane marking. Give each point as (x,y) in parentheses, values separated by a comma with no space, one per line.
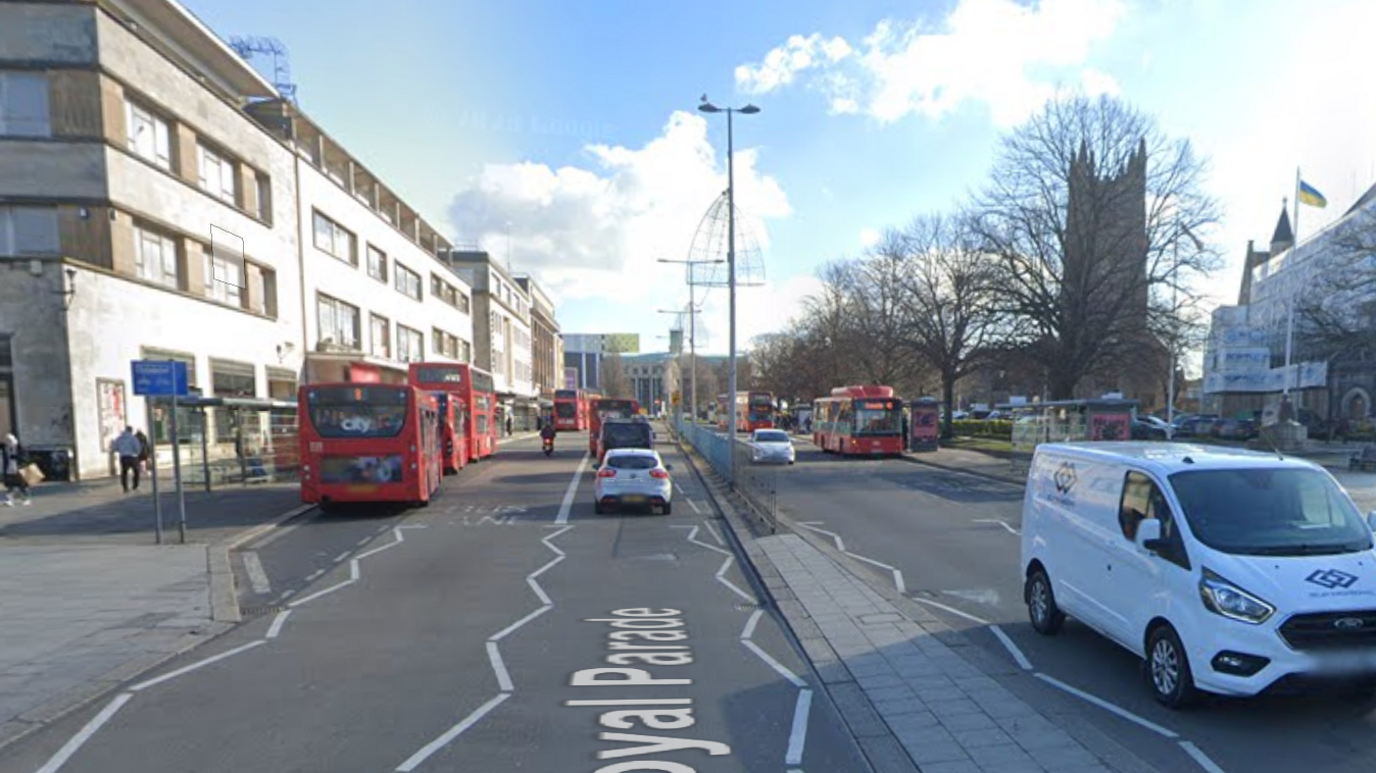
(257,577)
(726,565)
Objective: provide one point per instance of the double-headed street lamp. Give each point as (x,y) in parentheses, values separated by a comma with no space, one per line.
(708,107)
(692,328)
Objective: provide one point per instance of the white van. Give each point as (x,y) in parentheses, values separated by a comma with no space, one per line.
(1229,571)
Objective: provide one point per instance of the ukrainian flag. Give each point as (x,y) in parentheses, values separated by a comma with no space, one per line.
(1311,196)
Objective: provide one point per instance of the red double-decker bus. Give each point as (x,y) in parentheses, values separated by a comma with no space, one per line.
(474,388)
(454,426)
(572,408)
(754,410)
(862,420)
(368,443)
(607,408)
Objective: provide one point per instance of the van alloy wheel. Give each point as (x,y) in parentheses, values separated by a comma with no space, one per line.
(1046,617)
(1168,669)
(1165,667)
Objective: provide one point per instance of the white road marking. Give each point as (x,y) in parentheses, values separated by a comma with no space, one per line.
(1106,706)
(1012,648)
(277,623)
(551,545)
(749,630)
(1200,757)
(494,654)
(810,523)
(1004,524)
(567,504)
(986,596)
(797,737)
(196,665)
(364,541)
(721,573)
(340,557)
(257,578)
(633,702)
(841,546)
(774,664)
(320,593)
(314,574)
(450,734)
(59,759)
(280,532)
(377,550)
(496,637)
(695,507)
(414,526)
(353,570)
(713,531)
(951,609)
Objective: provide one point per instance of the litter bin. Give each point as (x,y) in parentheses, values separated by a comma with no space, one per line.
(56,463)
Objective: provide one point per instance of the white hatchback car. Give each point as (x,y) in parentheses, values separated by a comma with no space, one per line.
(633,477)
(771,445)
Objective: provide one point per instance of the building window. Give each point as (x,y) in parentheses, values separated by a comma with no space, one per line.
(381,340)
(150,137)
(463,303)
(24,104)
(155,257)
(465,352)
(218,175)
(338,322)
(29,231)
(333,238)
(189,427)
(281,384)
(448,293)
(264,187)
(224,281)
(377,264)
(410,344)
(444,344)
(407,281)
(264,297)
(230,379)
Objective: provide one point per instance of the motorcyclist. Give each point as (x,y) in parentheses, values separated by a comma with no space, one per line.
(547,433)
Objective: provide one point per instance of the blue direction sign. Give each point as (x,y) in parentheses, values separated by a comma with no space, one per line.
(159,378)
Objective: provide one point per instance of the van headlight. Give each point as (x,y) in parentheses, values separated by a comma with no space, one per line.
(1224,598)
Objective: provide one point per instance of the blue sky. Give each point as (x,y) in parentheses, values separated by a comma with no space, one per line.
(575,122)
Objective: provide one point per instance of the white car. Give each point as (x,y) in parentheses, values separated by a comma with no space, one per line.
(771,445)
(633,477)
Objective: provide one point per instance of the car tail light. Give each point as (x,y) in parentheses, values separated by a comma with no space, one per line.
(658,474)
(606,472)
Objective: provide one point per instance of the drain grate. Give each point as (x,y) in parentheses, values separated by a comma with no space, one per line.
(264,610)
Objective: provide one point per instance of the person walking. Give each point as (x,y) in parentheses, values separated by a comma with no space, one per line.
(11,462)
(129,449)
(145,450)
(508,425)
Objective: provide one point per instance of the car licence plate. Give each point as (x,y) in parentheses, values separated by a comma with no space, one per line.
(634,499)
(363,488)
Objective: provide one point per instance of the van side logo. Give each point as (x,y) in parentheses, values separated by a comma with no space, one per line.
(1331,579)
(1065,479)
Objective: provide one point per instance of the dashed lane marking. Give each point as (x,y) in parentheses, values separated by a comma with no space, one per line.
(257,578)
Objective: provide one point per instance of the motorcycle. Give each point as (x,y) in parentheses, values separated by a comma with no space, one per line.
(549,445)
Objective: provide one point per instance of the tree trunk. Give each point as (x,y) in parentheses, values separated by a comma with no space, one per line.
(1062,384)
(948,396)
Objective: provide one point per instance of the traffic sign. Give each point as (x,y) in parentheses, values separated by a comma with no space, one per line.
(159,378)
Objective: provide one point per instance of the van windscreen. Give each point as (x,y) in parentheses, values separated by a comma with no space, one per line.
(1270,512)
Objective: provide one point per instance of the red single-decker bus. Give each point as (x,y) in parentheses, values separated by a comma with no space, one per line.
(608,408)
(571,409)
(474,388)
(368,443)
(859,420)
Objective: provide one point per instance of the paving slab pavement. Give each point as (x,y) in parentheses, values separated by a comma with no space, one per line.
(87,600)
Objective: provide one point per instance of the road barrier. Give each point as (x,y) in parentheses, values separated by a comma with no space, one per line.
(757,485)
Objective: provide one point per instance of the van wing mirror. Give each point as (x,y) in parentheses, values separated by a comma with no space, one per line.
(1149,535)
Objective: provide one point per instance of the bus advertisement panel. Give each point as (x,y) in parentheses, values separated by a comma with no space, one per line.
(608,408)
(926,424)
(475,389)
(368,443)
(571,409)
(859,420)
(754,410)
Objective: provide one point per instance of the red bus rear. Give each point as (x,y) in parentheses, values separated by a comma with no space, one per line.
(368,443)
(474,388)
(754,410)
(571,409)
(859,421)
(607,408)
(454,426)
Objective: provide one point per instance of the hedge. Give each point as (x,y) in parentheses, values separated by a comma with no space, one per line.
(991,428)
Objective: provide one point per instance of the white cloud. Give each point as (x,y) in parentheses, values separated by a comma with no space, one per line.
(767,308)
(869,237)
(596,233)
(1007,55)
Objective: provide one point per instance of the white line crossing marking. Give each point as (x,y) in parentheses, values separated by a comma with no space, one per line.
(494,654)
(378,549)
(197,664)
(695,507)
(1200,757)
(713,530)
(1106,706)
(450,734)
(496,637)
(277,623)
(257,578)
(750,624)
(567,504)
(721,573)
(59,759)
(319,593)
(797,737)
(774,664)
(1004,524)
(1012,648)
(841,546)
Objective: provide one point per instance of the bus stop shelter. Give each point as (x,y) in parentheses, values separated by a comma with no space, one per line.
(229,439)
(1056,421)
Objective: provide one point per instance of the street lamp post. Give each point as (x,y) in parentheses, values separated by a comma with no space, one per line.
(1175,302)
(708,107)
(692,330)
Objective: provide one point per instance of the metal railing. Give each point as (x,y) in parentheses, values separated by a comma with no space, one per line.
(757,485)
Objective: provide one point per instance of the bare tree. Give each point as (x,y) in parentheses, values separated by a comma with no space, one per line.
(952,320)
(1087,203)
(613,381)
(1335,315)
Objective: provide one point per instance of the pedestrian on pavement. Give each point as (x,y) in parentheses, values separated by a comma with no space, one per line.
(129,448)
(508,425)
(11,462)
(145,450)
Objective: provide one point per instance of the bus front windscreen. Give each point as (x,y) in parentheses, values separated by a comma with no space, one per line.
(357,412)
(879,417)
(761,401)
(565,410)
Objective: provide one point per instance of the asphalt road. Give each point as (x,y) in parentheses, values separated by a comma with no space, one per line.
(953,537)
(462,636)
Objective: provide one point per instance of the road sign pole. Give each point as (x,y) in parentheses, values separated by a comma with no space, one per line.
(153,469)
(177,474)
